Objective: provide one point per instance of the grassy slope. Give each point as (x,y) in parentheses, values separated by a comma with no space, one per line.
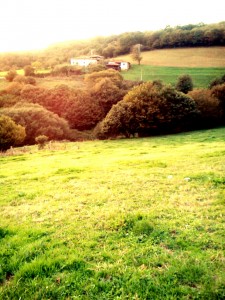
(125,219)
(202,64)
(205,57)
(201,77)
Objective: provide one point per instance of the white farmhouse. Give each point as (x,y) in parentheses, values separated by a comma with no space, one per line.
(86,60)
(83,62)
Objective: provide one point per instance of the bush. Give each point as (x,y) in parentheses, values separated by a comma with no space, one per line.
(95,68)
(41,140)
(218,91)
(11,134)
(107,93)
(113,75)
(38,121)
(24,79)
(11,75)
(67,70)
(82,111)
(208,105)
(147,109)
(14,88)
(184,84)
(28,70)
(217,81)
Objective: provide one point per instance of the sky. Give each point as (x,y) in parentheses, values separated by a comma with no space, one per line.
(36,24)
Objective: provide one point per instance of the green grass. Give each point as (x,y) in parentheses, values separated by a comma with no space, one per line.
(201,77)
(120,219)
(19,72)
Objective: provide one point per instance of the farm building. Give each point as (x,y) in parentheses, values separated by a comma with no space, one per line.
(125,65)
(86,60)
(118,65)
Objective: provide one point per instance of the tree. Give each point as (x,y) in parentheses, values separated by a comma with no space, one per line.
(14,88)
(208,106)
(41,140)
(119,120)
(136,53)
(37,121)
(217,81)
(218,91)
(24,79)
(28,70)
(11,134)
(184,84)
(11,75)
(106,93)
(82,111)
(150,108)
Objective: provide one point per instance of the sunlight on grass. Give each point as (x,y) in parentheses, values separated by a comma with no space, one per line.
(121,219)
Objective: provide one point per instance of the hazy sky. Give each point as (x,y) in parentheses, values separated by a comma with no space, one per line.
(35,24)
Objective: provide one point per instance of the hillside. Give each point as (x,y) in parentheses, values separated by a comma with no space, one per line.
(204,57)
(125,219)
(190,35)
(203,64)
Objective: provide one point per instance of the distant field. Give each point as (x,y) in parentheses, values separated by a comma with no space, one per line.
(204,57)
(202,64)
(121,219)
(201,76)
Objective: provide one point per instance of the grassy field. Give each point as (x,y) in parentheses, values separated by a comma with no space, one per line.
(199,57)
(202,64)
(120,219)
(201,77)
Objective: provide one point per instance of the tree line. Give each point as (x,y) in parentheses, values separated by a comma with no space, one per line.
(191,35)
(107,106)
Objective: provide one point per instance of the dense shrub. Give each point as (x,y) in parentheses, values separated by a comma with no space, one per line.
(11,75)
(150,108)
(7,100)
(37,121)
(184,84)
(24,79)
(208,105)
(106,93)
(217,81)
(11,134)
(80,108)
(82,111)
(120,120)
(66,70)
(113,75)
(95,68)
(29,70)
(41,140)
(14,88)
(218,91)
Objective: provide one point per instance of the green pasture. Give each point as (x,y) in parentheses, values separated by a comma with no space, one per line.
(201,77)
(120,219)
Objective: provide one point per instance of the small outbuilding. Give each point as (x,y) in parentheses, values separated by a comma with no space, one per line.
(118,65)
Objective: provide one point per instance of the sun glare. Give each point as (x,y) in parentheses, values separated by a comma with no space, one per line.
(29,24)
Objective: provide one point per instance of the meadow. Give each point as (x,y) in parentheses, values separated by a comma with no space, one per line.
(115,219)
(203,64)
(201,77)
(198,57)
